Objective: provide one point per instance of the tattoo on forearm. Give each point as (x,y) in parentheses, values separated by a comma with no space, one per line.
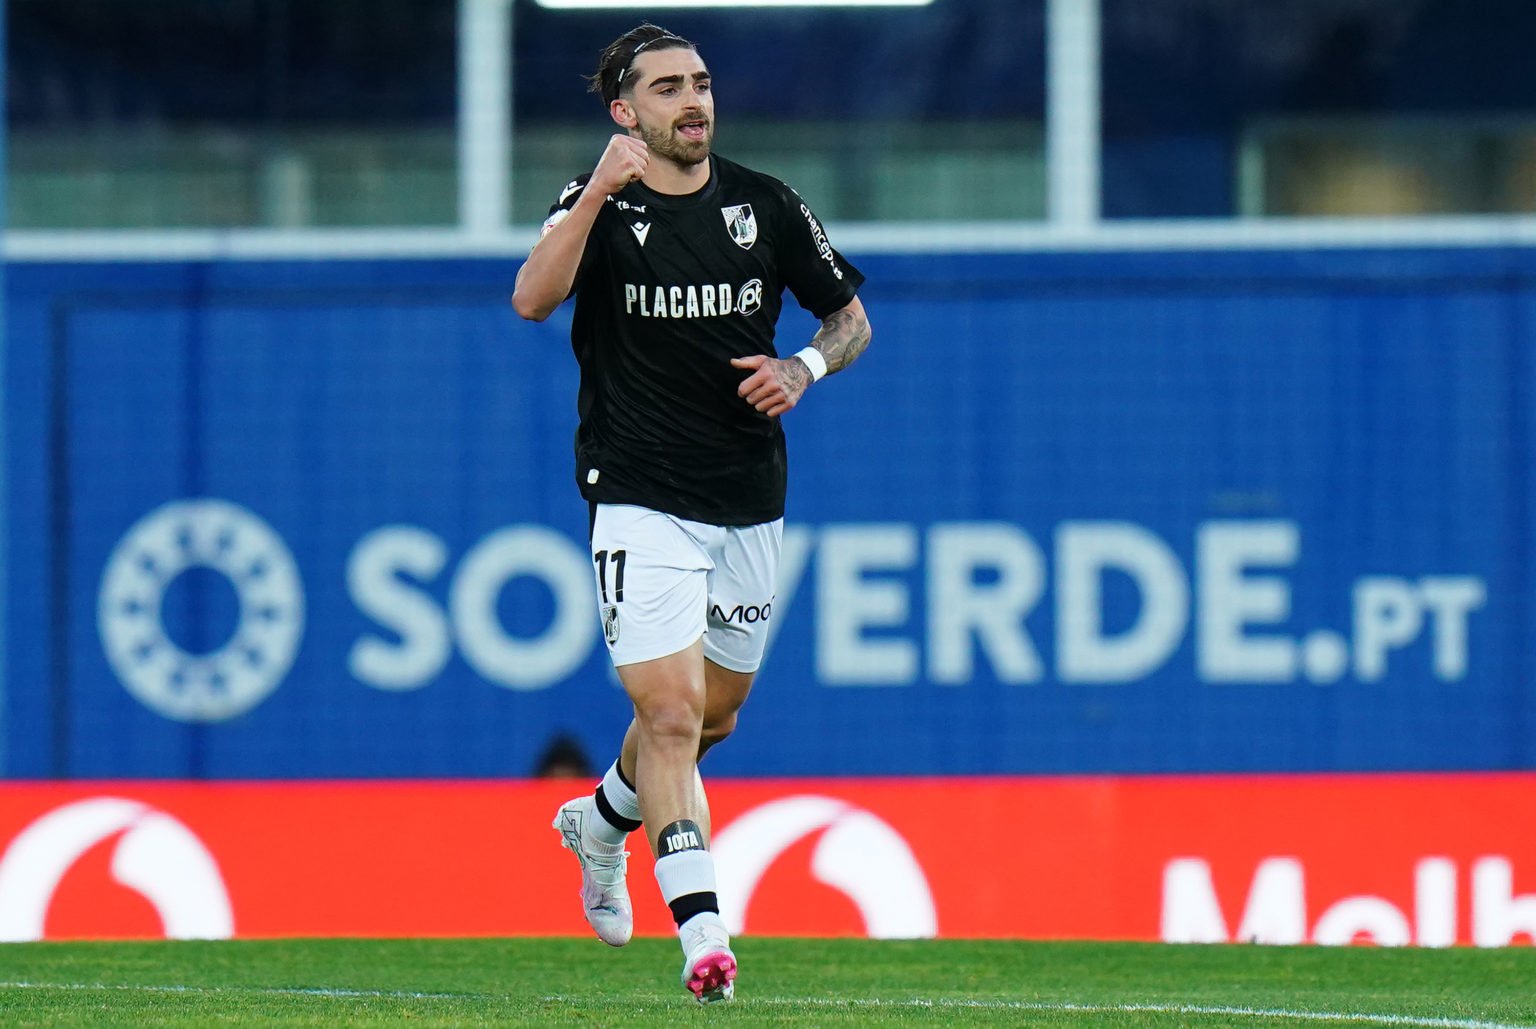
(841,339)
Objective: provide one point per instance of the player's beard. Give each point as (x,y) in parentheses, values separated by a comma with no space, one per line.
(675,147)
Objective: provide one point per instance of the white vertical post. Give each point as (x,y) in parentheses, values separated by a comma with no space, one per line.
(485,114)
(1072,123)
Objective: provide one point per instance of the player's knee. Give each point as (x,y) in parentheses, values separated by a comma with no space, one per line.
(671,720)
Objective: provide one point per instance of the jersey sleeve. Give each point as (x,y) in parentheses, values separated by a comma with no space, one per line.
(561,210)
(821,279)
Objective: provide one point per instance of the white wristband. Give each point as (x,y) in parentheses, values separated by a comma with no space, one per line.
(814,361)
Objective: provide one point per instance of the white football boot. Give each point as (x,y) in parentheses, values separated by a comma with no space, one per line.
(709,967)
(604,895)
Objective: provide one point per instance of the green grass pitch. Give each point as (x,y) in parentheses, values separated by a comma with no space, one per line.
(572,982)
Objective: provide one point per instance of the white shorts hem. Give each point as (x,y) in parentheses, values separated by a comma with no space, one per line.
(655,651)
(731,664)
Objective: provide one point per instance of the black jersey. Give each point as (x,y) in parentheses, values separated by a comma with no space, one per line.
(671,288)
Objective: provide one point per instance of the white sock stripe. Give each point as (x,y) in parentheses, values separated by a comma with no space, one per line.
(619,794)
(690,871)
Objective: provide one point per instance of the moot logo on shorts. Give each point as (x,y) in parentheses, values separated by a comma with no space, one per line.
(857,854)
(155,855)
(181,681)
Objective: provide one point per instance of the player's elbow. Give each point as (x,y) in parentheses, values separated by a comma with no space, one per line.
(863,333)
(529,307)
(858,326)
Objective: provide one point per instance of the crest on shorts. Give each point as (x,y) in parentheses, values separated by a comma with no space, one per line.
(611,624)
(742,223)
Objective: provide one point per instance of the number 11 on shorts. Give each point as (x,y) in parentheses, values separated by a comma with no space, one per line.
(601,560)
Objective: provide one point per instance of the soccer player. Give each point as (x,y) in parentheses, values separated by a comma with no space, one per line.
(678,260)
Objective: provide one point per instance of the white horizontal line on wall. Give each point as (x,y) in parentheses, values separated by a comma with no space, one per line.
(852,237)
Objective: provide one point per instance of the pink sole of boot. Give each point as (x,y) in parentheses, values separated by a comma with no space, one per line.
(711,976)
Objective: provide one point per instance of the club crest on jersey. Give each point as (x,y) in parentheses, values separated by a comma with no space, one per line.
(742,224)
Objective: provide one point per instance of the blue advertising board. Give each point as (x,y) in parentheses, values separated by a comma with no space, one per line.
(1071,513)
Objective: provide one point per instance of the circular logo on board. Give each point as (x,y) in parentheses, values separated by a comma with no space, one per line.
(155,855)
(252,661)
(858,854)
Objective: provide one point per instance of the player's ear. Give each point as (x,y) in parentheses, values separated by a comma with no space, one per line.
(623,114)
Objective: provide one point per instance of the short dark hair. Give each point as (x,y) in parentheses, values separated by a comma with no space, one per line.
(619,56)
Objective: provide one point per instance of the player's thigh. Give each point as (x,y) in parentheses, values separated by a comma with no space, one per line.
(668,692)
(741,595)
(651,577)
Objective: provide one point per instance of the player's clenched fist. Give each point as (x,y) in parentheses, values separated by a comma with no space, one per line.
(622,162)
(774,386)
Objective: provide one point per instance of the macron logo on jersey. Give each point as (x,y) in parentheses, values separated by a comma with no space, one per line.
(707,301)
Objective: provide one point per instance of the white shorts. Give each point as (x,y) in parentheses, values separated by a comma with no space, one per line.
(662,582)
